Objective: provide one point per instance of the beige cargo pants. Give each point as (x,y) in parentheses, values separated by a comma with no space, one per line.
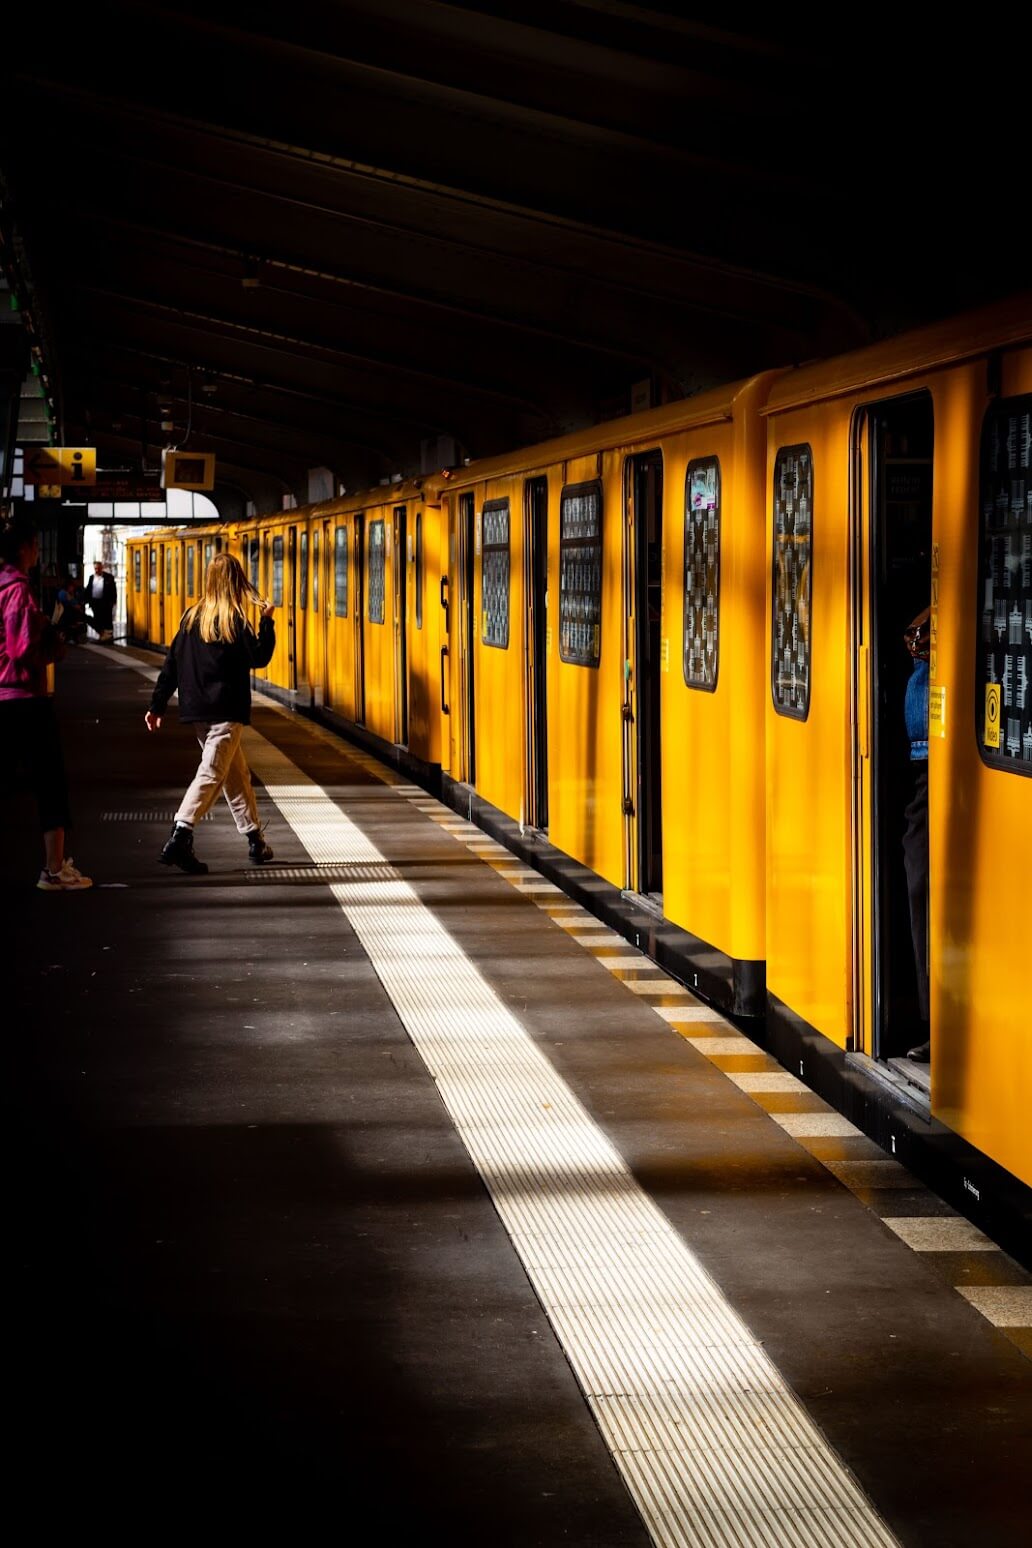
(222,767)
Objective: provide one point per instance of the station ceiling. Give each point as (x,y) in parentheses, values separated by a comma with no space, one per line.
(375,234)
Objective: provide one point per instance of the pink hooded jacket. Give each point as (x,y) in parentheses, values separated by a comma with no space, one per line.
(23,626)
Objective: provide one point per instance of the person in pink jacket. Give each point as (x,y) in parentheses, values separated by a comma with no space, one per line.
(28,727)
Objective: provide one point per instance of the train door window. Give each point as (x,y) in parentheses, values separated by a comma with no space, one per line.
(1003,661)
(702,573)
(419,569)
(253,559)
(580,574)
(377,571)
(494,574)
(896,871)
(315,571)
(793,537)
(302,578)
(177,572)
(340,572)
(209,549)
(191,569)
(358,613)
(137,570)
(277,572)
(153,570)
(168,570)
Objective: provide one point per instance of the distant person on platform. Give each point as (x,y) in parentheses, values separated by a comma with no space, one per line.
(101,595)
(209,663)
(69,614)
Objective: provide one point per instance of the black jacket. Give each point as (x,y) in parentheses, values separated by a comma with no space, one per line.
(214,681)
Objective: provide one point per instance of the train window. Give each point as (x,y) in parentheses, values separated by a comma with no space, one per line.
(340,572)
(315,570)
(377,562)
(277,572)
(209,549)
(793,583)
(702,573)
(419,569)
(302,578)
(580,574)
(253,553)
(1003,661)
(177,572)
(137,570)
(191,569)
(494,574)
(154,571)
(168,570)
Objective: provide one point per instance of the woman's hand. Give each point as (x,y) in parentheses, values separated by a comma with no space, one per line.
(152,721)
(268,611)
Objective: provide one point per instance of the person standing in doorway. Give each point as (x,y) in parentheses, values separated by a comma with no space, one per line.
(917,639)
(210,662)
(101,595)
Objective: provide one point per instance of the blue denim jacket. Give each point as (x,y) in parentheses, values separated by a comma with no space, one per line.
(915,708)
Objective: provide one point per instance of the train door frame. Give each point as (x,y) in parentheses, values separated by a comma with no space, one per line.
(328,593)
(535,650)
(642,694)
(290,592)
(358,613)
(400,625)
(883,951)
(462,635)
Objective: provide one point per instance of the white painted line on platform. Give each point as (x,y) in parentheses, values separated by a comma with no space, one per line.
(817,1125)
(693,1013)
(714,1447)
(723,1045)
(939,1233)
(767,1080)
(1006,1306)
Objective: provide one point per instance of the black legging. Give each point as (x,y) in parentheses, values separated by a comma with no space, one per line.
(915,858)
(32,745)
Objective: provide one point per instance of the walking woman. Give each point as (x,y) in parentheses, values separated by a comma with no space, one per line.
(28,728)
(210,662)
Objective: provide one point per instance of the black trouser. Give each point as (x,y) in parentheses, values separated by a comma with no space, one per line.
(32,751)
(915,858)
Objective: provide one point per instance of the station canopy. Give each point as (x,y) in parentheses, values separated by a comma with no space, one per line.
(337,243)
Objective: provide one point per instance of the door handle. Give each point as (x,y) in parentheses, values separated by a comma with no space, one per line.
(444,705)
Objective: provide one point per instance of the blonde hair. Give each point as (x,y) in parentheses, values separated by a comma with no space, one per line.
(221,614)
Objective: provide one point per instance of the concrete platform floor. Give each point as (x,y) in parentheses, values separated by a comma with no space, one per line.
(267,1272)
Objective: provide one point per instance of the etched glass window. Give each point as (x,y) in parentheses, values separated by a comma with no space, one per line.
(302,580)
(494,574)
(253,553)
(191,569)
(315,571)
(580,574)
(793,584)
(209,549)
(1003,669)
(137,570)
(340,572)
(277,572)
(702,573)
(419,569)
(177,571)
(377,571)
(154,570)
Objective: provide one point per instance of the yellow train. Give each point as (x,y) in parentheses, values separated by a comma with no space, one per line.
(664,657)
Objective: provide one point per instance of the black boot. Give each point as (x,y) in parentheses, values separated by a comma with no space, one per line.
(257,849)
(179,851)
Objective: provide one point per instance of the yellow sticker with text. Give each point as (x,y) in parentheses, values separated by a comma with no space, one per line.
(664,655)
(937,712)
(991,734)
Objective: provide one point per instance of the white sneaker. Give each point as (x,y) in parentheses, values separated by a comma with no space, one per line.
(67,879)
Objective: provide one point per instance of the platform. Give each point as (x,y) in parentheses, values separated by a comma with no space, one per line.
(386,1191)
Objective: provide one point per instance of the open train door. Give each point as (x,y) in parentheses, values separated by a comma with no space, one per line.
(461,636)
(535,637)
(400,625)
(892,547)
(643,593)
(358,613)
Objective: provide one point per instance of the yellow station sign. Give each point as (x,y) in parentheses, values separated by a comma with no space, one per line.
(60,465)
